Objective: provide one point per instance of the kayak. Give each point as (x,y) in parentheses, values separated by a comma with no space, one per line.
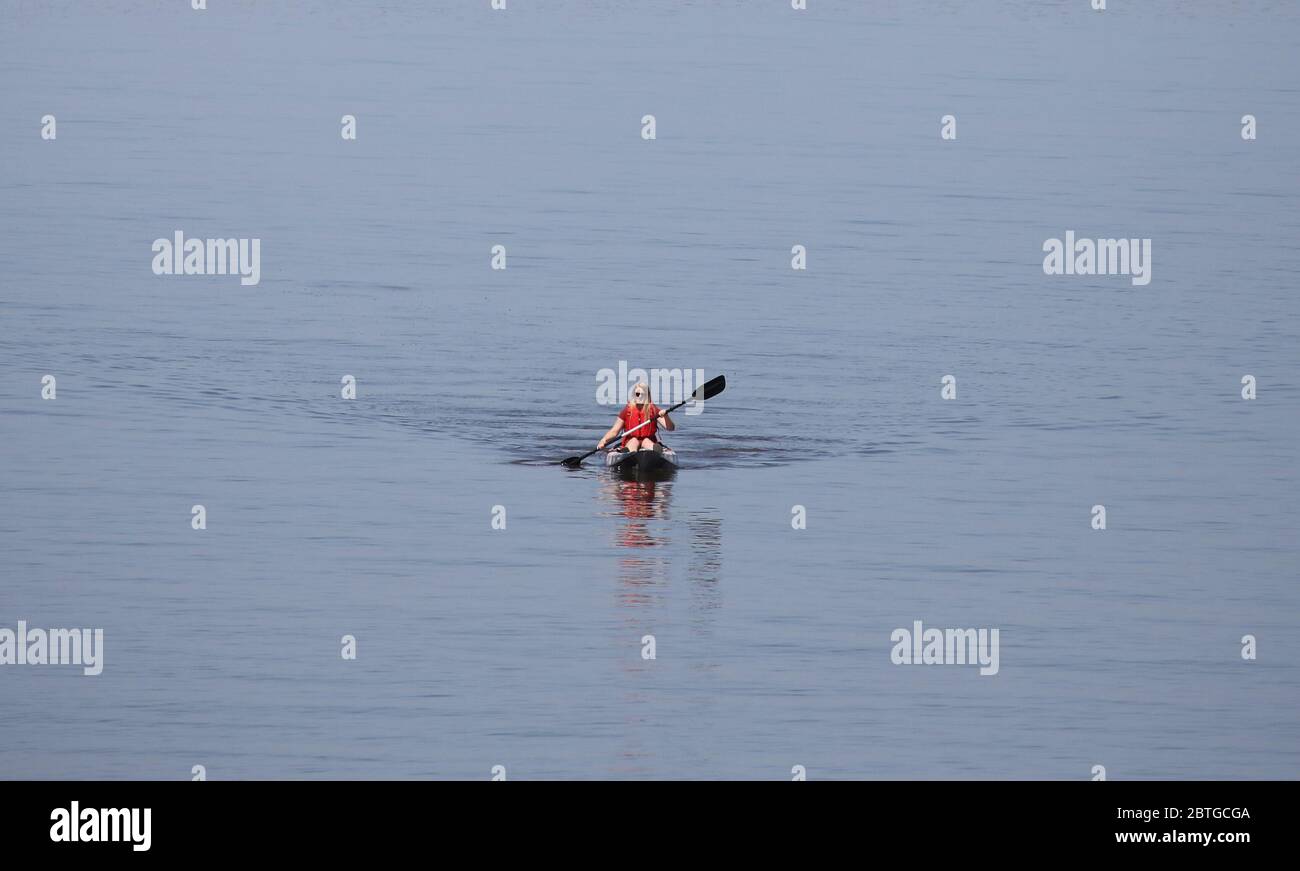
(642,464)
(661,462)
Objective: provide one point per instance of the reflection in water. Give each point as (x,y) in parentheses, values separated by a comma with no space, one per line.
(639,501)
(647,523)
(648,561)
(643,572)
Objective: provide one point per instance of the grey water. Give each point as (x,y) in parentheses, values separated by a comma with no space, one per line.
(523,647)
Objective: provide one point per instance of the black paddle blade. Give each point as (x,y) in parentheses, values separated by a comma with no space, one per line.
(711,388)
(571,462)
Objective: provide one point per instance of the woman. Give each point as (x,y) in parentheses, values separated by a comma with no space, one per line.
(636,412)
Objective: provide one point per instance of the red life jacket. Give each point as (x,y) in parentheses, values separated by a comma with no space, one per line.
(632,417)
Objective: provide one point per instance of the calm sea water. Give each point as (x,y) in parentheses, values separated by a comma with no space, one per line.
(522,647)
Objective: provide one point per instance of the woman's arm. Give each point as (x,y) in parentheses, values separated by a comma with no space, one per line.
(666,422)
(613,431)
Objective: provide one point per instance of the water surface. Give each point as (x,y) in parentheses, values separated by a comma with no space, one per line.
(522,647)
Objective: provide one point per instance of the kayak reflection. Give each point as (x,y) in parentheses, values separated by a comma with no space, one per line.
(646,529)
(643,529)
(639,502)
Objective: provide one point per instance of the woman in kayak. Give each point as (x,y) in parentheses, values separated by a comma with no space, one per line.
(636,412)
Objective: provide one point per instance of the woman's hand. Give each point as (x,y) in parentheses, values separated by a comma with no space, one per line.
(600,444)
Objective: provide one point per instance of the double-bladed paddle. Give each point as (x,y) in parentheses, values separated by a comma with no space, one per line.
(707,390)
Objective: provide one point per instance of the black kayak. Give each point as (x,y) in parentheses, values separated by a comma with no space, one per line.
(642,464)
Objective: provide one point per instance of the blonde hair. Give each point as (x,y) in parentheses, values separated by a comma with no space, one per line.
(640,385)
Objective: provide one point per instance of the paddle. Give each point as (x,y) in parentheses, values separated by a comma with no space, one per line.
(707,390)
